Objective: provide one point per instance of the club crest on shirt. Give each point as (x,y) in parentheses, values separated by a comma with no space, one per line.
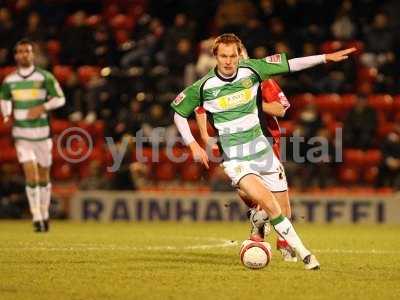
(179,98)
(246,83)
(274,59)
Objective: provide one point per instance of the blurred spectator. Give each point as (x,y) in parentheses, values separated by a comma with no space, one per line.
(128,122)
(147,47)
(8,36)
(96,179)
(343,27)
(103,48)
(254,34)
(389,170)
(379,36)
(13,201)
(35,30)
(309,122)
(206,60)
(74,39)
(130,175)
(157,125)
(182,29)
(232,15)
(360,125)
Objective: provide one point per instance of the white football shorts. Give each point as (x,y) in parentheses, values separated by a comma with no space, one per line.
(268,168)
(38,151)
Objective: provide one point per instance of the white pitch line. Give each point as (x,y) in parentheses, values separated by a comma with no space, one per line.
(351,251)
(222,244)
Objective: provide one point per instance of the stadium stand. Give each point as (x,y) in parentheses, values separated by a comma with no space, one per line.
(118,59)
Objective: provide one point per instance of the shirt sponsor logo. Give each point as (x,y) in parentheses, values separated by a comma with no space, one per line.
(235,99)
(274,59)
(27,94)
(179,98)
(246,82)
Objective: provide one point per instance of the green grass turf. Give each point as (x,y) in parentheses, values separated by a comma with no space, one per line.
(169,261)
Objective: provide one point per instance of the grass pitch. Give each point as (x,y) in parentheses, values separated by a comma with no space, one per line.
(191,261)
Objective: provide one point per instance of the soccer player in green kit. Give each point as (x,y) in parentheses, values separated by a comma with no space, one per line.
(228,93)
(28,94)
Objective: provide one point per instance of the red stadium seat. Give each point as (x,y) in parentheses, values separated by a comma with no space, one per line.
(122,36)
(191,172)
(348,101)
(62,73)
(5,128)
(356,44)
(4,71)
(58,126)
(86,73)
(53,50)
(384,129)
(328,103)
(372,158)
(8,154)
(301,100)
(287,127)
(333,127)
(6,142)
(381,102)
(165,171)
(349,175)
(331,46)
(111,11)
(122,22)
(145,155)
(93,20)
(367,74)
(353,157)
(62,171)
(370,175)
(396,104)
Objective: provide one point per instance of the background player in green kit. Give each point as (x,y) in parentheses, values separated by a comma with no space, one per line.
(229,93)
(28,94)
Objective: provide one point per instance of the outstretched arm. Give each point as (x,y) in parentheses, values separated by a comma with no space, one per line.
(301,63)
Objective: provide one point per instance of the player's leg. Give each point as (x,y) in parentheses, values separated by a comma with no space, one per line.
(44,158)
(26,158)
(258,218)
(282,245)
(255,188)
(276,182)
(45,194)
(33,193)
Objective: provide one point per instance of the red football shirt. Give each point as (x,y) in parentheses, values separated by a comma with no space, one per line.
(271,92)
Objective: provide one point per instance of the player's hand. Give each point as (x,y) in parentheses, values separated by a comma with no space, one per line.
(199,154)
(35,112)
(6,119)
(339,55)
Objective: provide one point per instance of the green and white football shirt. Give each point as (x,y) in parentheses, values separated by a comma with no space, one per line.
(26,92)
(232,105)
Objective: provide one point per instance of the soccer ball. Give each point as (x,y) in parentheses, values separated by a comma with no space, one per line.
(255,255)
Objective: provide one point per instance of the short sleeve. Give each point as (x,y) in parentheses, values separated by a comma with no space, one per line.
(269,66)
(186,102)
(52,86)
(5,93)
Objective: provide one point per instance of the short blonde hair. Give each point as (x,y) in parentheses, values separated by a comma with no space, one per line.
(227,38)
